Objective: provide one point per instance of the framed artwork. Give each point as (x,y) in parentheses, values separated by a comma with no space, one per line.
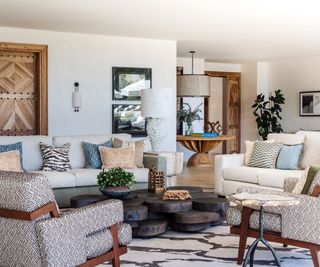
(310,103)
(128,82)
(179,70)
(126,118)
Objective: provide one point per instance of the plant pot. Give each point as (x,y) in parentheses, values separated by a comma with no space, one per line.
(116,191)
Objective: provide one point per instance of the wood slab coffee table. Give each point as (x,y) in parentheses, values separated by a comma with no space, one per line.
(201,145)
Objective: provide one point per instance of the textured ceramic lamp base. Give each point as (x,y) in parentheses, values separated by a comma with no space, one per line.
(156,132)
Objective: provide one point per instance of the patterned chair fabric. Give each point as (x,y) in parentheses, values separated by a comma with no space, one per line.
(47,241)
(298,222)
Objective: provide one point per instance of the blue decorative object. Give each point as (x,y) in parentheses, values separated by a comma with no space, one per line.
(12,147)
(289,157)
(91,151)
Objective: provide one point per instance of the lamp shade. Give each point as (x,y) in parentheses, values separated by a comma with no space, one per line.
(155,103)
(192,85)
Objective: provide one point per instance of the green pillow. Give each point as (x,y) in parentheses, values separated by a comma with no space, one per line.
(311,174)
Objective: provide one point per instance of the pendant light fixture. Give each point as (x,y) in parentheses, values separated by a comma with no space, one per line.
(189,85)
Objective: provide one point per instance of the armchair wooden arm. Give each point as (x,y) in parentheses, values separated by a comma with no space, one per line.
(316,191)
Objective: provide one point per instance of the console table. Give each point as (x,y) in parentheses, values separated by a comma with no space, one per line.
(201,145)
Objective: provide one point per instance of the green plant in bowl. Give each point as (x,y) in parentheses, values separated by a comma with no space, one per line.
(115,182)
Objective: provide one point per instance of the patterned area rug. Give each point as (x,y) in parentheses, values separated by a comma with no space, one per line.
(214,247)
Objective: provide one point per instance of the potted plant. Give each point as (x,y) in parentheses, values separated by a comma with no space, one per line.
(115,182)
(187,115)
(267,113)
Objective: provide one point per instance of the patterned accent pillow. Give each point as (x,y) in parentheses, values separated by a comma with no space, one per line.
(55,158)
(117,157)
(249,150)
(264,155)
(92,154)
(138,146)
(10,161)
(12,147)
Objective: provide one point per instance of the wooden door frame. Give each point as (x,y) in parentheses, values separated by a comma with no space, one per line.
(224,74)
(41,80)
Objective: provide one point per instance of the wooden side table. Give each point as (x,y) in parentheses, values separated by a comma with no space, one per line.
(201,145)
(261,200)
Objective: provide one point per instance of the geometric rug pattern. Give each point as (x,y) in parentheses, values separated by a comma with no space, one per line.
(213,247)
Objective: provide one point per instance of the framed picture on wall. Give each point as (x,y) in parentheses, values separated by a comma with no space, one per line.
(127,83)
(126,118)
(310,103)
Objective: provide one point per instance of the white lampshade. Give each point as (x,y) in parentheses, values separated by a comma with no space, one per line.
(193,85)
(156,103)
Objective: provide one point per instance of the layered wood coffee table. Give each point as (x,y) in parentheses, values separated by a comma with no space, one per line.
(149,215)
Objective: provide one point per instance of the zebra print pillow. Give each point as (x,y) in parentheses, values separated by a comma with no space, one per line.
(55,158)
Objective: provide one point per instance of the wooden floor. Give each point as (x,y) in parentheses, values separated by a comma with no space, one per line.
(194,176)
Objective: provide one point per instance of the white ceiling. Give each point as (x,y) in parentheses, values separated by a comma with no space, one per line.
(221,31)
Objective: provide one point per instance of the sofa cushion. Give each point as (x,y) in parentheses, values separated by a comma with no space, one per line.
(10,161)
(250,148)
(264,155)
(276,177)
(86,177)
(59,179)
(55,158)
(140,174)
(77,157)
(13,147)
(289,157)
(117,157)
(287,139)
(92,154)
(311,154)
(31,154)
(241,174)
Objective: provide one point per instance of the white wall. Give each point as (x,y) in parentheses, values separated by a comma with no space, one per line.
(228,67)
(248,95)
(88,59)
(293,76)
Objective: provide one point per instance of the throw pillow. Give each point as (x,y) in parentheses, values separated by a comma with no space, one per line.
(249,150)
(316,181)
(12,147)
(311,174)
(10,161)
(264,155)
(289,157)
(117,157)
(55,158)
(300,184)
(138,145)
(92,154)
(311,155)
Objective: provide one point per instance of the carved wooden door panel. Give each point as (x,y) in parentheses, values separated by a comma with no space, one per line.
(231,114)
(18,104)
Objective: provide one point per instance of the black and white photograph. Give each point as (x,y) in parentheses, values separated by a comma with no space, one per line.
(310,103)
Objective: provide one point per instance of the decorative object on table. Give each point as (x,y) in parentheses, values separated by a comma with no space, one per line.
(205,134)
(127,118)
(156,107)
(76,98)
(179,70)
(115,182)
(260,200)
(201,145)
(176,195)
(267,113)
(213,127)
(156,181)
(187,115)
(193,85)
(127,83)
(310,103)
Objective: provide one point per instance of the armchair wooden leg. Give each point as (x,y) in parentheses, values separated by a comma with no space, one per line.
(315,256)
(244,228)
(116,257)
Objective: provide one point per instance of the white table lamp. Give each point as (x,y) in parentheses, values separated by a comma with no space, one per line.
(155,107)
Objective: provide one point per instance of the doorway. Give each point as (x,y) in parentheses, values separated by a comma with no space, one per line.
(23,89)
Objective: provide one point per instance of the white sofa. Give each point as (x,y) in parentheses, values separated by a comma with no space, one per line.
(79,176)
(231,173)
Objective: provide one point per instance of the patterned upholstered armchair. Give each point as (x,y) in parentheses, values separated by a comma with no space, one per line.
(291,225)
(34,233)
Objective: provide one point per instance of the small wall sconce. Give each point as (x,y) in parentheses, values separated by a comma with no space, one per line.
(76,98)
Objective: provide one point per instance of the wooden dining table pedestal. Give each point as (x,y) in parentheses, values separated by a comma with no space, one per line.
(201,145)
